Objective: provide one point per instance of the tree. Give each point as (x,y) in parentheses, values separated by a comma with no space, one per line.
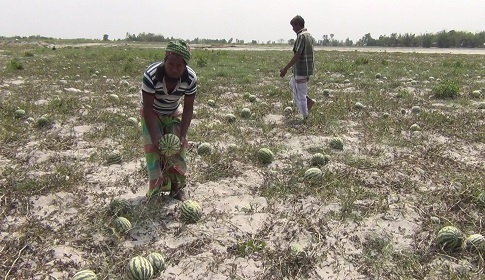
(105,37)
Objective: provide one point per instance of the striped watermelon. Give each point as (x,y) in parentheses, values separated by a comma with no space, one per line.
(19,113)
(169,144)
(114,157)
(416,109)
(475,242)
(122,224)
(204,149)
(85,275)
(265,155)
(252,98)
(190,211)
(139,268)
(157,261)
(336,143)
(450,237)
(312,175)
(245,113)
(211,102)
(230,117)
(119,206)
(320,159)
(42,121)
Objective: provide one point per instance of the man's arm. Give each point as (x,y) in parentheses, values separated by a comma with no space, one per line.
(292,62)
(149,115)
(186,117)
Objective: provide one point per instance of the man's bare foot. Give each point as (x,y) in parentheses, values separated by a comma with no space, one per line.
(309,103)
(177,193)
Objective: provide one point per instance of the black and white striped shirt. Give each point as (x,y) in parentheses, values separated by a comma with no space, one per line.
(154,83)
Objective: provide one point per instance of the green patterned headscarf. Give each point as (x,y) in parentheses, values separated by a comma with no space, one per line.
(179,48)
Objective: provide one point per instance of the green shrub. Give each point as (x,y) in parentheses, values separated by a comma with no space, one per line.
(15,64)
(446,89)
(361,61)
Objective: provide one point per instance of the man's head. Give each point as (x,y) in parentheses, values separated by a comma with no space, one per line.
(297,23)
(177,56)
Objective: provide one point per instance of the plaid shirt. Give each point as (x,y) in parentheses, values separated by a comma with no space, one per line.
(304,45)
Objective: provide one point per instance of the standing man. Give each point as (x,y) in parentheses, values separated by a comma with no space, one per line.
(165,84)
(302,65)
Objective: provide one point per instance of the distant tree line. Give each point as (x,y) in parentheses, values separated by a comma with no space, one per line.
(443,39)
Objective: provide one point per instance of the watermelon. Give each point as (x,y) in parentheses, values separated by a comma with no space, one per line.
(119,206)
(415,127)
(122,225)
(320,159)
(481,105)
(450,237)
(157,261)
(336,143)
(296,250)
(114,97)
(114,158)
(378,76)
(252,98)
(475,242)
(288,110)
(19,113)
(230,117)
(132,120)
(42,121)
(265,155)
(204,149)
(139,268)
(169,144)
(312,175)
(245,113)
(416,109)
(211,103)
(476,94)
(246,95)
(85,275)
(190,211)
(359,106)
(385,115)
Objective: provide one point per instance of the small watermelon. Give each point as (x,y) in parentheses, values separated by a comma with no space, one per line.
(157,261)
(265,155)
(230,117)
(415,127)
(416,109)
(19,113)
(450,237)
(43,121)
(246,95)
(190,211)
(475,242)
(296,250)
(312,175)
(252,98)
(139,268)
(204,149)
(211,103)
(169,144)
(245,113)
(114,158)
(85,275)
(320,159)
(122,225)
(336,143)
(288,110)
(120,207)
(114,97)
(132,121)
(359,106)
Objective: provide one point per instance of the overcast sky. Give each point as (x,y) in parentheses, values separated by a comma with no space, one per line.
(261,20)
